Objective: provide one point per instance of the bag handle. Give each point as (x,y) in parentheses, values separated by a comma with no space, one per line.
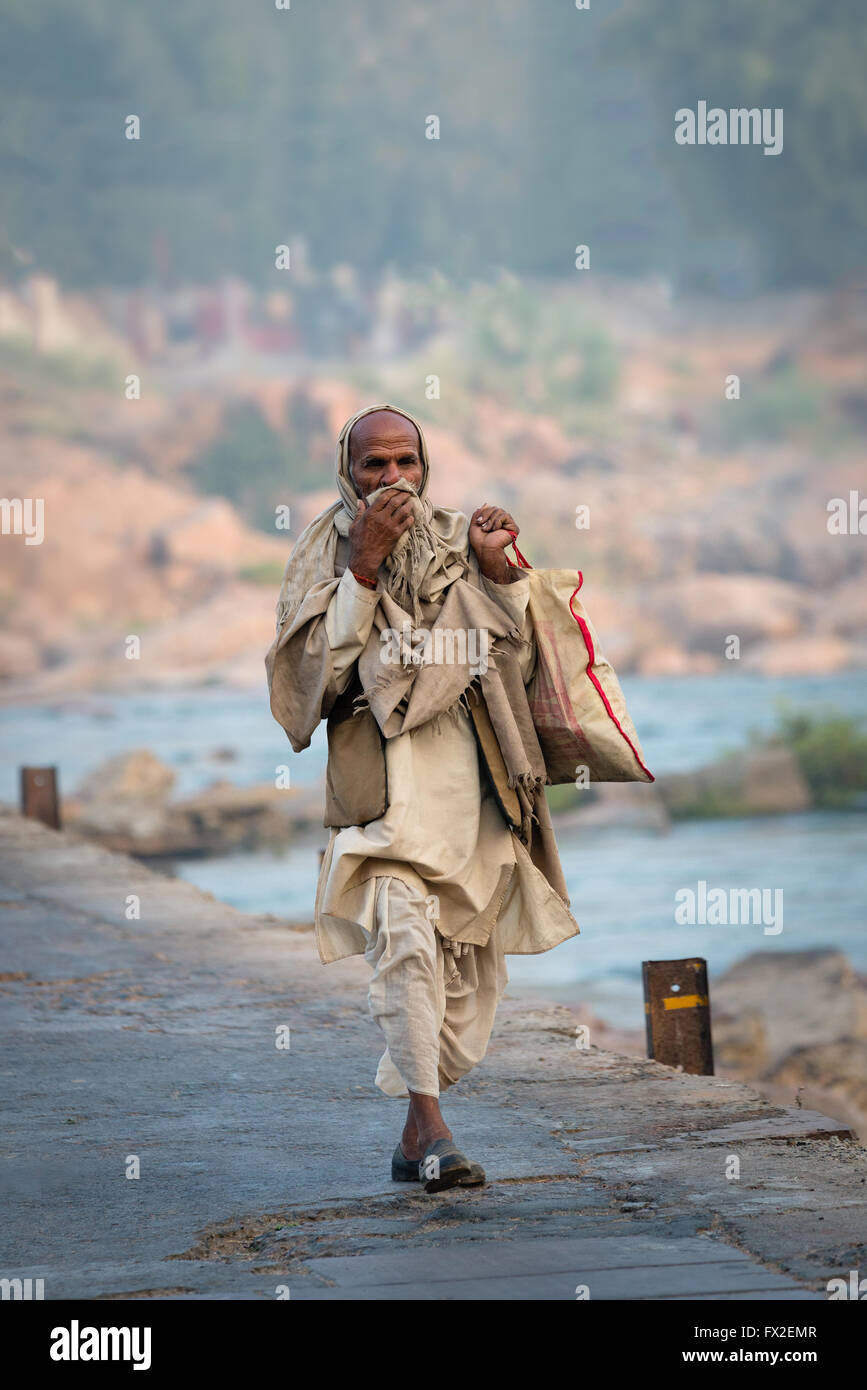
(523,562)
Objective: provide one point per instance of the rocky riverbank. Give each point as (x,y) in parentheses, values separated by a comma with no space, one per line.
(706,541)
(794,1024)
(127,804)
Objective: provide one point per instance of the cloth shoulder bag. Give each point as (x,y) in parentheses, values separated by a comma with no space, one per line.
(575,698)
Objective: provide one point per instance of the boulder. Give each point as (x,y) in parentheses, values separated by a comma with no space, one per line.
(767,781)
(740,1040)
(794,1024)
(711,607)
(804,999)
(844,611)
(211,536)
(138,775)
(632,804)
(125,804)
(127,796)
(834,1074)
(19,655)
(797,656)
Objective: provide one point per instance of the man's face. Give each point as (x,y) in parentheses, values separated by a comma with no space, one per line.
(384,447)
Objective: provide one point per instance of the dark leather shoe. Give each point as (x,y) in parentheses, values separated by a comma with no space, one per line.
(405,1169)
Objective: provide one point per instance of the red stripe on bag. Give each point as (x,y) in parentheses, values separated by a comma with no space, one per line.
(588,642)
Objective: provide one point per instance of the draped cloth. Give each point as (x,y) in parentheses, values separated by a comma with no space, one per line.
(434,577)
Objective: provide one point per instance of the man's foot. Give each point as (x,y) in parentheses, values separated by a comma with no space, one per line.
(444,1166)
(405,1169)
(427,1145)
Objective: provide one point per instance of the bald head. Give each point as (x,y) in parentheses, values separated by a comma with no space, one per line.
(383,447)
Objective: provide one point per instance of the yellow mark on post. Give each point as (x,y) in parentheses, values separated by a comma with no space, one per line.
(685,1001)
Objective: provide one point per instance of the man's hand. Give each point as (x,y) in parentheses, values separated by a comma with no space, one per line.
(377,529)
(489,536)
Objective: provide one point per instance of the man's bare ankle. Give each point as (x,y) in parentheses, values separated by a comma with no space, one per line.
(409,1143)
(415,1143)
(429,1136)
(424,1124)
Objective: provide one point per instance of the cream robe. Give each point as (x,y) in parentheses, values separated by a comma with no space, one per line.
(443,832)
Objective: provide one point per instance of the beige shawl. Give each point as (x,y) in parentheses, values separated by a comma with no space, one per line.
(446,592)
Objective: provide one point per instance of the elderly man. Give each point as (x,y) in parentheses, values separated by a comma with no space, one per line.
(406,626)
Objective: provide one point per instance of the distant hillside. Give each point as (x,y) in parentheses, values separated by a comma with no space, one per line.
(708,517)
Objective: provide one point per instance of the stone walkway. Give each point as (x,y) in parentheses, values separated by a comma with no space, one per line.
(264,1170)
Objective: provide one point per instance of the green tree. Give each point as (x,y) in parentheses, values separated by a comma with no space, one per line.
(805,209)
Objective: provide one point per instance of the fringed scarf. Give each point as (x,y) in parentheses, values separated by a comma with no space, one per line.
(425,561)
(431,578)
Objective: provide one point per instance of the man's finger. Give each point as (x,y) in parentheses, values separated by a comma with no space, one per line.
(493,518)
(381,502)
(396,500)
(387,499)
(400,503)
(497,540)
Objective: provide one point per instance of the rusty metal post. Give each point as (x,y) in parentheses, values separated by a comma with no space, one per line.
(39,795)
(677,1013)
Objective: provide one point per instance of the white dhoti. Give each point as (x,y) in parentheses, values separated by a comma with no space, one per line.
(437,889)
(434,1000)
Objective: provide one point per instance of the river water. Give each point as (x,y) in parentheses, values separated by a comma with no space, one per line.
(622,882)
